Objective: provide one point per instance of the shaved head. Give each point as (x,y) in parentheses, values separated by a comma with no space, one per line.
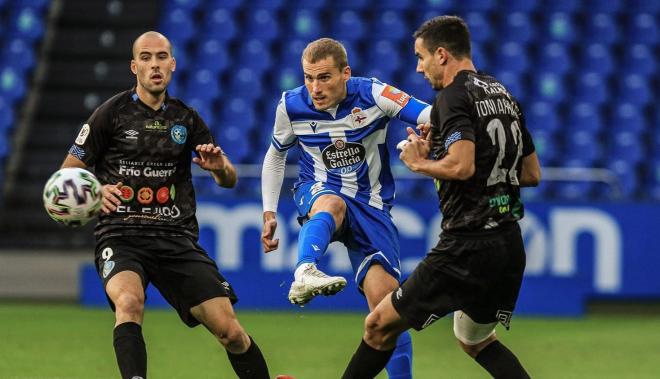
(150,35)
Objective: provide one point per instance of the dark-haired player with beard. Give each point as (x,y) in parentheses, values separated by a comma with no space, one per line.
(480,155)
(140,143)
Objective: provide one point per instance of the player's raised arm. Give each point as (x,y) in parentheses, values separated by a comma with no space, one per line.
(396,103)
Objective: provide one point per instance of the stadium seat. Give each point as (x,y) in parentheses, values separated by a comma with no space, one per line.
(189,5)
(204,108)
(355,56)
(347,25)
(12,85)
(18,54)
(174,88)
(524,6)
(272,5)
(634,88)
(513,82)
(516,27)
(542,116)
(389,24)
(26,23)
(554,57)
(219,24)
(239,111)
(596,58)
(287,78)
(384,56)
(397,5)
(653,178)
(600,6)
(642,28)
(548,87)
(305,24)
(642,6)
(231,5)
(246,83)
(584,117)
(583,148)
(181,55)
(559,27)
(589,87)
(314,5)
(178,25)
(628,117)
(568,6)
(291,52)
(601,28)
(547,147)
(626,146)
(255,55)
(479,57)
(481,6)
(628,178)
(639,59)
(578,190)
(415,84)
(357,5)
(512,57)
(261,24)
(202,83)
(212,55)
(234,141)
(480,28)
(6,117)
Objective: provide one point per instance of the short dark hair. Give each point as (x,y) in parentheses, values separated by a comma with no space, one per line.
(323,48)
(449,32)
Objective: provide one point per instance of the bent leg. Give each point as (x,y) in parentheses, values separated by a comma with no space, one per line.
(325,218)
(218,316)
(126,292)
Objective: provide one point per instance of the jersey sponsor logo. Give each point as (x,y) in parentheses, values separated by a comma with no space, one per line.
(358,116)
(156,126)
(343,157)
(504,318)
(83,134)
(131,134)
(127,194)
(179,134)
(396,95)
(145,195)
(162,195)
(432,318)
(150,213)
(147,171)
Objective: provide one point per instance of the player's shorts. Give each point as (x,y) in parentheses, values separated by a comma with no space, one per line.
(177,266)
(368,233)
(480,275)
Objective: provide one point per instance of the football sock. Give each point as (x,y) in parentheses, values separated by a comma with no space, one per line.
(130,350)
(251,364)
(367,362)
(500,362)
(314,237)
(400,364)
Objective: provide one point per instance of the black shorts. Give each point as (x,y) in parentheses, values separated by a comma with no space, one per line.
(480,275)
(177,266)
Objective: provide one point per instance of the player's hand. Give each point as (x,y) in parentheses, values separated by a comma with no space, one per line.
(425,130)
(111,197)
(270,224)
(210,158)
(416,150)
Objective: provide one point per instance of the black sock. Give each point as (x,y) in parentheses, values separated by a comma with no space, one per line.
(500,362)
(251,364)
(367,362)
(130,350)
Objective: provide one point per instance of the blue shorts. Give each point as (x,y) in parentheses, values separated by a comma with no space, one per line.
(368,233)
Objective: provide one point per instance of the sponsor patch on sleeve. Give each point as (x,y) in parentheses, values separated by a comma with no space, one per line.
(396,95)
(82,136)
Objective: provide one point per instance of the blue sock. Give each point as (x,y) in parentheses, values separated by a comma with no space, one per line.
(314,237)
(400,365)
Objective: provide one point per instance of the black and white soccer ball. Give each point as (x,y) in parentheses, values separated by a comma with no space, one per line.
(72,196)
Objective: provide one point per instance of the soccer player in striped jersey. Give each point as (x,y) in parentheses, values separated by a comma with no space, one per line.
(345,187)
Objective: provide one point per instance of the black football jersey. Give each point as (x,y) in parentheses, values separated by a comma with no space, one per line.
(478,108)
(150,152)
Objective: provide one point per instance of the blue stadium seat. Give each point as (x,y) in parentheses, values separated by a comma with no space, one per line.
(548,87)
(642,28)
(261,24)
(287,78)
(517,27)
(628,176)
(18,54)
(355,57)
(628,117)
(239,111)
(642,6)
(627,146)
(384,56)
(212,55)
(305,24)
(481,6)
(246,83)
(204,108)
(639,59)
(174,88)
(233,139)
(398,5)
(12,85)
(554,57)
(213,5)
(559,27)
(348,25)
(255,55)
(181,55)
(389,24)
(601,28)
(590,87)
(568,6)
(512,57)
(202,83)
(438,7)
(479,57)
(547,146)
(178,25)
(190,5)
(356,5)
(653,175)
(634,88)
(596,58)
(609,6)
(415,84)
(382,75)
(6,117)
(513,82)
(272,5)
(291,53)
(26,23)
(220,24)
(578,191)
(542,116)
(582,147)
(480,28)
(584,117)
(315,5)
(525,6)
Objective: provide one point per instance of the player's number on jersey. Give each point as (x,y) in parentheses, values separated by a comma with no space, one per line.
(499,173)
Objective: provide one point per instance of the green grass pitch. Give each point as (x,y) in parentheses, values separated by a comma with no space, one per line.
(47,341)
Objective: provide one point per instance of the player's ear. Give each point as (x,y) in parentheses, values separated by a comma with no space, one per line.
(133,67)
(173,64)
(347,72)
(441,55)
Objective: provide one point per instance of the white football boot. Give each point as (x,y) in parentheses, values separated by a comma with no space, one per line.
(311,282)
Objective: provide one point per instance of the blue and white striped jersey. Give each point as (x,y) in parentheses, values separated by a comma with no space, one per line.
(344,147)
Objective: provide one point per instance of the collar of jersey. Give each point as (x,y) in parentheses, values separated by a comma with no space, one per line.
(163,107)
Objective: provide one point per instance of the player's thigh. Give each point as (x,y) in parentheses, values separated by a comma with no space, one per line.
(377,284)
(121,264)
(124,284)
(332,204)
(306,196)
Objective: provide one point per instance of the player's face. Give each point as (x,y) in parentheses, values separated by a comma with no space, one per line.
(325,82)
(153,64)
(429,64)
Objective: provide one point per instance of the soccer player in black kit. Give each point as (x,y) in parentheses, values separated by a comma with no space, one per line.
(480,155)
(140,143)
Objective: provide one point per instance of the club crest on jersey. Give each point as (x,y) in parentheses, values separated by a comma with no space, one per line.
(343,157)
(179,134)
(359,118)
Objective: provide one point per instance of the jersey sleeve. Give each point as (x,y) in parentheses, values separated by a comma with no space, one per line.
(452,111)
(93,136)
(396,103)
(283,136)
(201,134)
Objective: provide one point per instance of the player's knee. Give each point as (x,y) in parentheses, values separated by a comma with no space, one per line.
(336,207)
(233,338)
(375,331)
(130,303)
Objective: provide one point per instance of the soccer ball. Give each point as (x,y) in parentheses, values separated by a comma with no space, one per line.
(72,196)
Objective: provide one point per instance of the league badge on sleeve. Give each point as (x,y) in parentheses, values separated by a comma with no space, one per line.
(396,95)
